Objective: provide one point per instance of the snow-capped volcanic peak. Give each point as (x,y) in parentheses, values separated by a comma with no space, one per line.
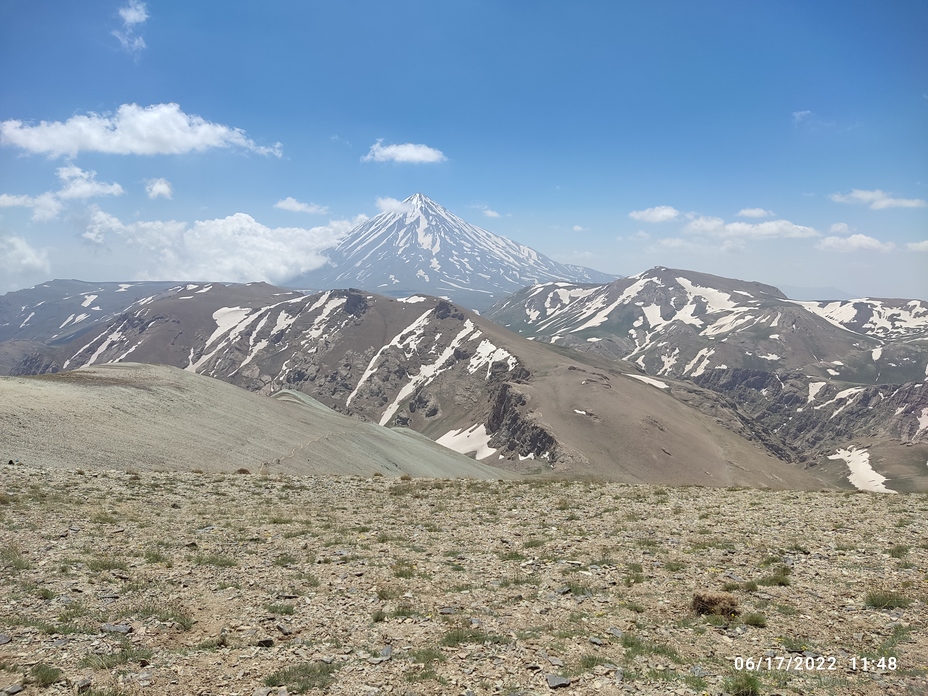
(420,246)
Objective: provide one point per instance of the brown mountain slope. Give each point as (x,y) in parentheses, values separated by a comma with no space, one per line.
(450,374)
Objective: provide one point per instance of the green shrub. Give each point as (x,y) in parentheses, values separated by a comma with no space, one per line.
(45,675)
(743,685)
(301,678)
(885,599)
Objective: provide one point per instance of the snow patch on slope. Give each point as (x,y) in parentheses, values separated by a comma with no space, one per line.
(468,440)
(862,475)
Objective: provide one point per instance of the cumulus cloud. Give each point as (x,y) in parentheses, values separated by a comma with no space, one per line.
(578,228)
(44,207)
(406,152)
(856,242)
(917,246)
(490,213)
(18,256)
(236,248)
(392,205)
(660,213)
(877,199)
(133,15)
(159,129)
(77,183)
(716,227)
(293,205)
(755,213)
(840,228)
(159,187)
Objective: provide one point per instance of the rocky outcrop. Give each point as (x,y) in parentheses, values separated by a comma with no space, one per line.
(816,416)
(513,432)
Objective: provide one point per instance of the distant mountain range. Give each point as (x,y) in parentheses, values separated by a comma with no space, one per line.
(424,248)
(668,376)
(677,323)
(429,365)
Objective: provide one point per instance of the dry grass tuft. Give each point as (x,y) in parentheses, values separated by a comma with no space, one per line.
(717,603)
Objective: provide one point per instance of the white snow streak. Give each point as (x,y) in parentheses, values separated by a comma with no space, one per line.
(862,475)
(650,380)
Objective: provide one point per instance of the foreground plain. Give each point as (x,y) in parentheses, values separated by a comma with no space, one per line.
(121,582)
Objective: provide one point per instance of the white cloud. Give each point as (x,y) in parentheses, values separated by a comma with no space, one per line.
(490,213)
(716,227)
(159,187)
(236,248)
(917,246)
(877,199)
(44,207)
(660,213)
(133,15)
(840,228)
(159,129)
(578,228)
(640,234)
(295,206)
(17,256)
(754,212)
(77,183)
(856,242)
(407,152)
(810,120)
(392,205)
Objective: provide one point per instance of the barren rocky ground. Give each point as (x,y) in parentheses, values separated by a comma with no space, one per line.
(115,583)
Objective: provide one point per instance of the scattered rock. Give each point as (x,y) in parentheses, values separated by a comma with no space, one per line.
(555,681)
(116,628)
(331,628)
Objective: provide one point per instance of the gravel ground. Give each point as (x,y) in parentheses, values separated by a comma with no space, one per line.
(116,582)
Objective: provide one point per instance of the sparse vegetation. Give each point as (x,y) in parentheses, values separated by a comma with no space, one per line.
(11,556)
(45,675)
(214,559)
(126,654)
(301,678)
(465,578)
(886,599)
(743,684)
(718,603)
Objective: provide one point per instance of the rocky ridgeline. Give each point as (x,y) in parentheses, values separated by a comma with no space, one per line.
(117,583)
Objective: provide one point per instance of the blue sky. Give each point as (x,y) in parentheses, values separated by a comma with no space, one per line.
(785,142)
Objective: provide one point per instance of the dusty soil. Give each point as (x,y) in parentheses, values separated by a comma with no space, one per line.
(114,582)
